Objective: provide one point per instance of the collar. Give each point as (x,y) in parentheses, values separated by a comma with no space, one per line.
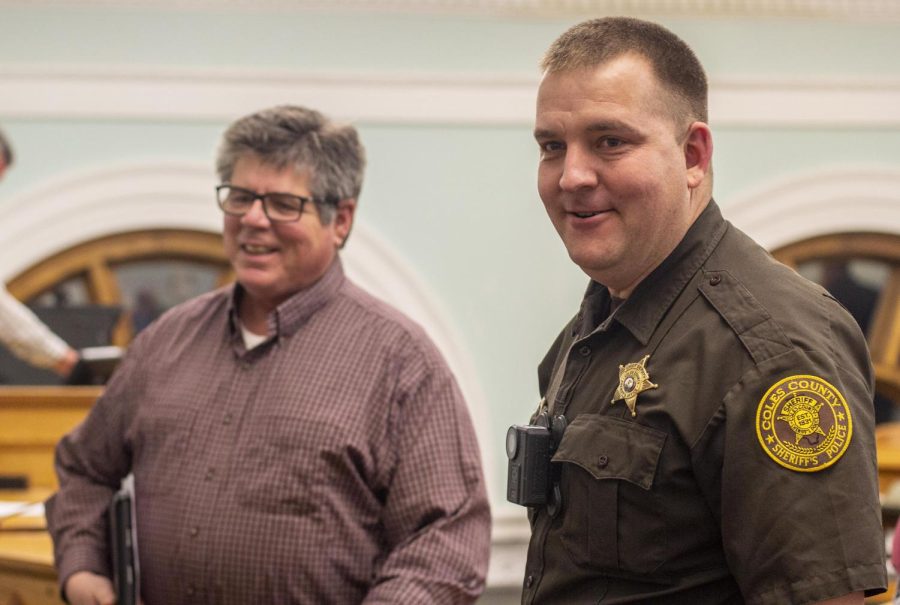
(291,314)
(648,303)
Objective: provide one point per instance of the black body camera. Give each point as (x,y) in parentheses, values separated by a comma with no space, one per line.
(529,448)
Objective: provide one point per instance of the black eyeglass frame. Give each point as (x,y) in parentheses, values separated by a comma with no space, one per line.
(264,198)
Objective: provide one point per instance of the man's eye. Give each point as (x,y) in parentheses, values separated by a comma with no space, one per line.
(241,199)
(282,204)
(551,146)
(611,142)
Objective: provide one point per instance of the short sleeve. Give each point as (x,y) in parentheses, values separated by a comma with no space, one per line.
(801,519)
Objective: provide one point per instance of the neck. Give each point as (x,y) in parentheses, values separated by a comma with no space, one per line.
(253,314)
(622,288)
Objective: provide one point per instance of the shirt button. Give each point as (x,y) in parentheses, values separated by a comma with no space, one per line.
(715,280)
(227,418)
(210,473)
(602,461)
(585,351)
(194,531)
(190,591)
(529,581)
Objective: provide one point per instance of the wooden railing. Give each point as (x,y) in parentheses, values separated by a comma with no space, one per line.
(32,419)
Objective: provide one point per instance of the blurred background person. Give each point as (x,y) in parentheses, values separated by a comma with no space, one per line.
(20,330)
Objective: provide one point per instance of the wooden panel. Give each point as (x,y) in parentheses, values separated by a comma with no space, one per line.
(22,428)
(35,463)
(32,420)
(39,397)
(885,339)
(19,589)
(26,551)
(887,381)
(887,445)
(27,576)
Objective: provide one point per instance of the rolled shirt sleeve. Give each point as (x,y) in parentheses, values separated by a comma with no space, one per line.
(436,513)
(90,463)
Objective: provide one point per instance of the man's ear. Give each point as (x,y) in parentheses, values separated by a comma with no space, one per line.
(698,149)
(2,167)
(343,221)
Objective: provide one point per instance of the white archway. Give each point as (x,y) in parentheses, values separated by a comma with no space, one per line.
(829,200)
(71,209)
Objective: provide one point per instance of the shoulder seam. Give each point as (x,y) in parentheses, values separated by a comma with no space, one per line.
(760,334)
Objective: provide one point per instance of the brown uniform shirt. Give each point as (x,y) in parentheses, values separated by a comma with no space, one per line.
(335,463)
(748,473)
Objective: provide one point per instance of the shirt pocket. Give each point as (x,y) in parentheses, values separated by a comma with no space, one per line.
(160,446)
(611,520)
(281,465)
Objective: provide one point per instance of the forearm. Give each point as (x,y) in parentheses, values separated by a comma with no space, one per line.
(436,517)
(76,520)
(89,466)
(27,337)
(443,563)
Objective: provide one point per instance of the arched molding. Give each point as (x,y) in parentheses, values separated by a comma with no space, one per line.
(827,200)
(71,209)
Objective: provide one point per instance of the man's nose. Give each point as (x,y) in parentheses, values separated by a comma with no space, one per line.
(579,170)
(256,216)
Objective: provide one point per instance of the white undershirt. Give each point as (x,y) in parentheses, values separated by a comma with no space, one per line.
(251,339)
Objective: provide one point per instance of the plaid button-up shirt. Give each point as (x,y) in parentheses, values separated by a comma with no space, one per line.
(334,463)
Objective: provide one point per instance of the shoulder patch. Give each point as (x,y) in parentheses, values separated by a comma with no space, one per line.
(803,423)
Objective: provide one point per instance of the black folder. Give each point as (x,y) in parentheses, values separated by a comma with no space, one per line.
(124,548)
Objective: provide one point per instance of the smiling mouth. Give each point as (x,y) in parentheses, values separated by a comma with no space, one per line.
(252,249)
(586,214)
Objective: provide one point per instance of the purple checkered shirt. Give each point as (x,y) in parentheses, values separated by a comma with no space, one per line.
(334,463)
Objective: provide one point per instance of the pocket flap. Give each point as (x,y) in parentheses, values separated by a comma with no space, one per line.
(612,448)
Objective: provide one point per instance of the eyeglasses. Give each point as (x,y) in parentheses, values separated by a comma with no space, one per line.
(279,207)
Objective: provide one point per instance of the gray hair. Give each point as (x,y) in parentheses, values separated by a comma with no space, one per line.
(289,136)
(598,41)
(6,150)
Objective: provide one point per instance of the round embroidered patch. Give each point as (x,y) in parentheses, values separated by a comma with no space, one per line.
(803,423)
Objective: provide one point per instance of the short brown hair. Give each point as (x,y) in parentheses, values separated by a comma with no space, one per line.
(598,41)
(290,136)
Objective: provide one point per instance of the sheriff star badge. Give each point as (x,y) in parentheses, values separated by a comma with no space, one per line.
(633,380)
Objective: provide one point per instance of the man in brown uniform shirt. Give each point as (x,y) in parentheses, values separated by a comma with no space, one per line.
(293,440)
(719,446)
